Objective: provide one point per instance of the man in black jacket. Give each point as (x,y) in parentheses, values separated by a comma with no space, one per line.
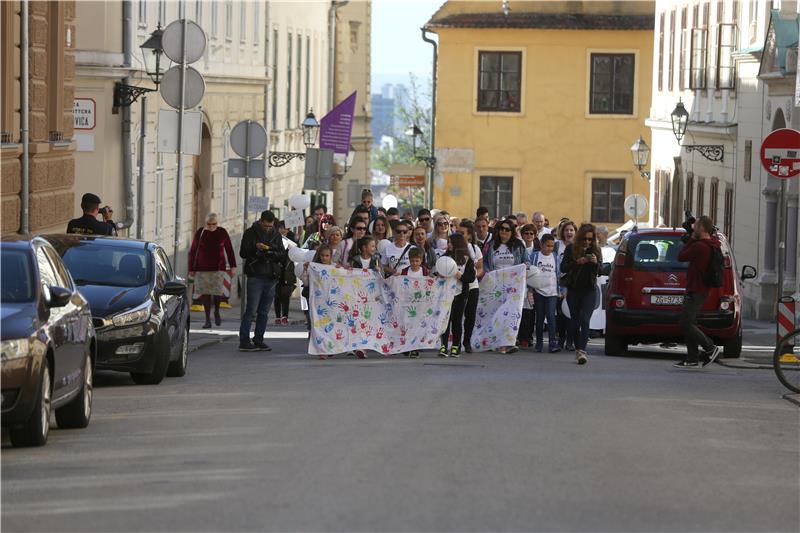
(88,223)
(264,257)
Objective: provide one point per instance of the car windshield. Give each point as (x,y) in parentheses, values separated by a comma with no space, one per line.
(658,252)
(16,277)
(122,266)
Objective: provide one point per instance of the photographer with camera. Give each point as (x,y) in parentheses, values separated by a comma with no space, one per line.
(108,218)
(698,250)
(88,223)
(264,260)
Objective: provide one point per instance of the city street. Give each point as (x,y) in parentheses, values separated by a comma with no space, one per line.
(280,441)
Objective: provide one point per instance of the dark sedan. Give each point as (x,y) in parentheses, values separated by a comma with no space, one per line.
(48,343)
(139,306)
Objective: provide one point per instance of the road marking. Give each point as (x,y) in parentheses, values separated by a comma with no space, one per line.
(197,412)
(175,395)
(163,434)
(70,482)
(268,336)
(95,505)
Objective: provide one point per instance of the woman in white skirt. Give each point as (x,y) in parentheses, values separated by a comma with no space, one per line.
(210,246)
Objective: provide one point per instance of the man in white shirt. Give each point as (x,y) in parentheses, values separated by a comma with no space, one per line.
(539,221)
(394,255)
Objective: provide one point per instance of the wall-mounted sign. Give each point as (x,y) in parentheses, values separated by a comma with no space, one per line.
(84,113)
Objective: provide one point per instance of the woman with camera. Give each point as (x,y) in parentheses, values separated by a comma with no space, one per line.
(579,270)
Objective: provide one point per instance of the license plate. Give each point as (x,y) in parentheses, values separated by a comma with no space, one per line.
(659,299)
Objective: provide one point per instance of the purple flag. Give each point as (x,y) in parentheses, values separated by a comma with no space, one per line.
(336,127)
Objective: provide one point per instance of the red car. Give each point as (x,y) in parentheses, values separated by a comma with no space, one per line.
(646,288)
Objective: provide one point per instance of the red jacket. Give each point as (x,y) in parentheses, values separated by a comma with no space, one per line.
(698,254)
(209,249)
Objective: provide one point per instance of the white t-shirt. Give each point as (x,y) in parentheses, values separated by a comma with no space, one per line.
(476,255)
(417,274)
(364,262)
(391,254)
(441,247)
(502,257)
(547,264)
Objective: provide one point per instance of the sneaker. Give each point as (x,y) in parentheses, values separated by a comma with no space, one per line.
(207,325)
(277,322)
(569,346)
(247,347)
(712,356)
(686,364)
(285,321)
(261,347)
(512,349)
(323,356)
(414,354)
(467,348)
(218,320)
(581,357)
(443,351)
(455,351)
(524,344)
(537,348)
(555,349)
(361,354)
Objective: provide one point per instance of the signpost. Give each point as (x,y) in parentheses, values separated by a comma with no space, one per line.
(635,206)
(780,156)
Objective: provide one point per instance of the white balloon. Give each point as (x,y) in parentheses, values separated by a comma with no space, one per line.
(299,201)
(536,280)
(389,201)
(446,267)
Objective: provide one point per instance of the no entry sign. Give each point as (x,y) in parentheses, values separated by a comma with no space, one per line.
(780,153)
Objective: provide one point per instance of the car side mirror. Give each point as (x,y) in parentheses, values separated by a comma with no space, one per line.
(605,269)
(748,272)
(173,288)
(58,297)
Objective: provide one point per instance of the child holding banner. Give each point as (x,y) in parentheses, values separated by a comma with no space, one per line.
(457,249)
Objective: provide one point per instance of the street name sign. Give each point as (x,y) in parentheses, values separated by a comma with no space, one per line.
(83,113)
(780,153)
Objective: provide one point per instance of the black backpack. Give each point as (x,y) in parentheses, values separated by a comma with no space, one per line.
(716,268)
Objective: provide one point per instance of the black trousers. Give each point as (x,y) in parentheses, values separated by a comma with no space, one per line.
(692,302)
(526,325)
(470,310)
(283,295)
(456,317)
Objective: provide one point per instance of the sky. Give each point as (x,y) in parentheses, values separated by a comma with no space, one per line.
(397,45)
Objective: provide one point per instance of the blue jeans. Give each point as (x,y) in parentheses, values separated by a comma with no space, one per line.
(581,306)
(260,295)
(546,309)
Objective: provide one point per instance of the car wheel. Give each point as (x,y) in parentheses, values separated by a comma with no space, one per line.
(34,432)
(733,347)
(615,345)
(159,368)
(177,369)
(76,414)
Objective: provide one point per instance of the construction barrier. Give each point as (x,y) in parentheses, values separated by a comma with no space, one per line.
(786,317)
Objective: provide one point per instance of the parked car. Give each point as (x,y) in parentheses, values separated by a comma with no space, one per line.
(139,306)
(48,343)
(646,288)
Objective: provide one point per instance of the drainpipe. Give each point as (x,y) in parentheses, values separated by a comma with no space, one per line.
(127,153)
(24,119)
(267,37)
(433,112)
(335,5)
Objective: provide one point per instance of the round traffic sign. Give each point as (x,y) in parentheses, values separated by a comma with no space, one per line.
(635,205)
(172,41)
(780,153)
(171,87)
(248,139)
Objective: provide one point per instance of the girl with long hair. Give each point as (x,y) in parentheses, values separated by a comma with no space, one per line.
(467,229)
(380,228)
(565,235)
(366,256)
(349,246)
(580,266)
(420,240)
(458,250)
(441,231)
(506,251)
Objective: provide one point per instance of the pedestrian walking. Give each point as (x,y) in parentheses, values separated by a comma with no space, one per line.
(439,238)
(264,256)
(394,255)
(699,252)
(467,229)
(565,235)
(579,270)
(546,293)
(286,283)
(367,256)
(88,223)
(210,248)
(318,237)
(527,322)
(505,251)
(380,229)
(420,240)
(458,250)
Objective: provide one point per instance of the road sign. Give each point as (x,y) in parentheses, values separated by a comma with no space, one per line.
(635,206)
(407,181)
(171,88)
(241,168)
(780,153)
(248,139)
(167,140)
(172,39)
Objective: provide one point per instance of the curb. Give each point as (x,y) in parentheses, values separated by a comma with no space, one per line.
(206,344)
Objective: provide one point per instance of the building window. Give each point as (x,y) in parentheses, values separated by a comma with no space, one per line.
(55,73)
(683,52)
(671,57)
(289,82)
(701,196)
(657,196)
(243,22)
(8,71)
(228,20)
(142,12)
(608,199)
(666,198)
(499,81)
(714,199)
(697,80)
(660,76)
(689,190)
(198,12)
(308,73)
(496,194)
(727,226)
(747,169)
(726,66)
(256,23)
(299,85)
(273,83)
(214,18)
(612,79)
(752,23)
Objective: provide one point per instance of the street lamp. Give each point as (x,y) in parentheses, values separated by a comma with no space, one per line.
(152,50)
(641,152)
(680,121)
(310,132)
(414,132)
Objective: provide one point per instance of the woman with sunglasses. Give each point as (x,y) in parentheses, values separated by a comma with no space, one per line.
(441,232)
(579,269)
(565,235)
(526,325)
(210,246)
(467,229)
(420,240)
(318,237)
(348,248)
(506,251)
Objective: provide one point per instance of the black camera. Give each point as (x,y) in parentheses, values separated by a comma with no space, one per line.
(688,225)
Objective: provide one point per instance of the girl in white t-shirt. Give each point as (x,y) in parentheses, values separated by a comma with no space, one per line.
(458,250)
(441,231)
(367,256)
(467,229)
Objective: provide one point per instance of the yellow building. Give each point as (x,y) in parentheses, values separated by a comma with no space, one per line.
(537,107)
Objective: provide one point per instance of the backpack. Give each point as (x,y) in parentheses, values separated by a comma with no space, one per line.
(715,275)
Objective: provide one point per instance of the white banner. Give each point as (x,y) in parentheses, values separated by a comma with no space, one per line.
(500,300)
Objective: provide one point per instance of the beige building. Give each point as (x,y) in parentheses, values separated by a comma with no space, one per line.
(49,152)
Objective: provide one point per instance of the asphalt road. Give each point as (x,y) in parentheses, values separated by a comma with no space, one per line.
(281,441)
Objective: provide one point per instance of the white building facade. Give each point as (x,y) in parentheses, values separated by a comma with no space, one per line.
(708,56)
